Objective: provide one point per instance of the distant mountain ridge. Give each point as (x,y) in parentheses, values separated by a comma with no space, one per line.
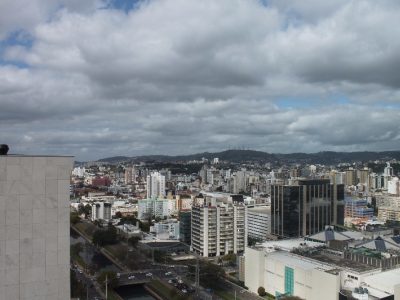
(238,156)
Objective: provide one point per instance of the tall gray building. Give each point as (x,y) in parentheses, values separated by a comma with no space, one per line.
(34,227)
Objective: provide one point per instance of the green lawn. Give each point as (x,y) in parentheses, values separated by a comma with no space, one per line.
(165,291)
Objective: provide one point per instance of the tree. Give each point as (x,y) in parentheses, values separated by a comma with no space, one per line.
(210,274)
(118,215)
(261,291)
(76,249)
(74,218)
(84,210)
(111,276)
(105,237)
(133,241)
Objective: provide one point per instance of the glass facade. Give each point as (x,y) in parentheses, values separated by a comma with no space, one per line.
(289,281)
(306,208)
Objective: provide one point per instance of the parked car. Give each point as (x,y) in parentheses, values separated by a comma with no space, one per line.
(149,274)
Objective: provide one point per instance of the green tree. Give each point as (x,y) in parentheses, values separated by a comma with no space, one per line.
(74,217)
(133,241)
(261,291)
(111,277)
(76,249)
(105,237)
(210,274)
(84,210)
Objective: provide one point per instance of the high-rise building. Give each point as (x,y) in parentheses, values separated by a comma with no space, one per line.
(218,230)
(34,227)
(130,175)
(351,177)
(185,219)
(155,185)
(306,207)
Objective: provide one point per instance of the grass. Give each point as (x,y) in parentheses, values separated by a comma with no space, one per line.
(87,228)
(165,291)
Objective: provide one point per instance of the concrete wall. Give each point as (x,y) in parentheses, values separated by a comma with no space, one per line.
(254,269)
(324,285)
(34,227)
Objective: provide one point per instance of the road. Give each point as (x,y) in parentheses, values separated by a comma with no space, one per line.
(88,282)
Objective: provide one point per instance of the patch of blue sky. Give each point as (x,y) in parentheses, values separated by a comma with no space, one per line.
(340,99)
(387,105)
(295,103)
(124,5)
(16,38)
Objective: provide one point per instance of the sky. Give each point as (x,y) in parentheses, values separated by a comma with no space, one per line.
(100,78)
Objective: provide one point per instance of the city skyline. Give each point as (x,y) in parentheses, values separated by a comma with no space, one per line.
(97,79)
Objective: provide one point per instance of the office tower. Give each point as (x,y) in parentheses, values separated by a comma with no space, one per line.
(218,230)
(239,182)
(34,227)
(351,177)
(129,175)
(306,207)
(155,185)
(185,229)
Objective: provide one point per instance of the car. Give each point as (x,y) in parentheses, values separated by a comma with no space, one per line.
(149,274)
(184,291)
(180,281)
(170,281)
(131,277)
(168,274)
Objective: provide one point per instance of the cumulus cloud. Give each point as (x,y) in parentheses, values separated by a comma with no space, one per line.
(179,76)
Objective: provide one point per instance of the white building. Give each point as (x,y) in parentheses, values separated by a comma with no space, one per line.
(79,172)
(155,185)
(101,211)
(394,186)
(148,208)
(34,227)
(166,230)
(218,230)
(320,274)
(258,222)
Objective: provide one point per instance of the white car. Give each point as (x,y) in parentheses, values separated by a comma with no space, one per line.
(149,274)
(131,277)
(168,274)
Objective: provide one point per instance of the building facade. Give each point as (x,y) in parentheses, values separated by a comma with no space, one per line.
(218,230)
(258,222)
(185,232)
(306,207)
(101,210)
(155,185)
(34,227)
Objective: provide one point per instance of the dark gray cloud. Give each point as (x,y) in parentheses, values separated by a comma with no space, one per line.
(184,76)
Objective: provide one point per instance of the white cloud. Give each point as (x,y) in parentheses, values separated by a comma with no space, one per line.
(182,76)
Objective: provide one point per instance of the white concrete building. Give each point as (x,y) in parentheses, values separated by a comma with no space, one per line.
(101,211)
(258,222)
(148,208)
(155,185)
(218,230)
(166,230)
(34,227)
(319,274)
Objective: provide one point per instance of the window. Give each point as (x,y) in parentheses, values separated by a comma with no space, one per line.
(289,281)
